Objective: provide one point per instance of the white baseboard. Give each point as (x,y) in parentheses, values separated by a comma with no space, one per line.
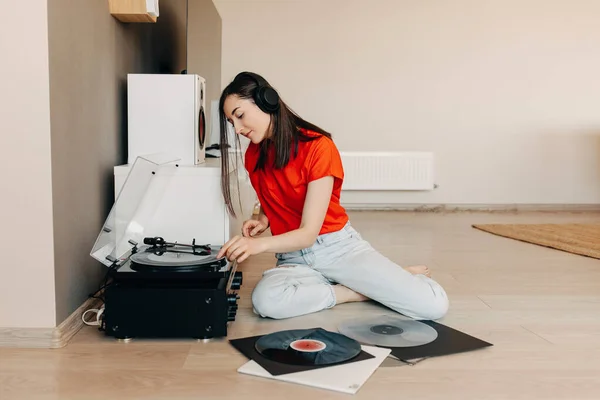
(47,338)
(447,208)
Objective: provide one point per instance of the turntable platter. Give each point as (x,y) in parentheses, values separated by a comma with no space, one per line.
(174,259)
(171,259)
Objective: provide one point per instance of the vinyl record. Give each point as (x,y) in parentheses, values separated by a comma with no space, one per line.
(390,331)
(307,347)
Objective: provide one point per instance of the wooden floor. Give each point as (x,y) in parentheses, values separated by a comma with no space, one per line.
(539,307)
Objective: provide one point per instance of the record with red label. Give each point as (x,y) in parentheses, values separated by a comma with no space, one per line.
(307,347)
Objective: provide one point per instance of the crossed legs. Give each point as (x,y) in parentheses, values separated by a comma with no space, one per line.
(361,274)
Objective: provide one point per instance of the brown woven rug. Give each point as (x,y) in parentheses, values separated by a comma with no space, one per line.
(582,239)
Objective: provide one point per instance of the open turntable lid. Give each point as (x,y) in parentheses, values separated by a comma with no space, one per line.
(136,202)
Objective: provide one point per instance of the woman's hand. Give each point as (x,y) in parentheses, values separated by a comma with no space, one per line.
(254,227)
(239,248)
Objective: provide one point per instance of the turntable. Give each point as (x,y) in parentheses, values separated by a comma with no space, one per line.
(157,288)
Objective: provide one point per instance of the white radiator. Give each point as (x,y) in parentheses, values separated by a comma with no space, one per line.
(409,170)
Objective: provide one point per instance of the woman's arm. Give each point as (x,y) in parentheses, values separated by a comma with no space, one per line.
(318,196)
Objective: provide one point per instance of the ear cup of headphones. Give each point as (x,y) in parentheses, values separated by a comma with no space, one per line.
(266,99)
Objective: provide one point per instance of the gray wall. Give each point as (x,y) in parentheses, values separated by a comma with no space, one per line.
(90,54)
(204,49)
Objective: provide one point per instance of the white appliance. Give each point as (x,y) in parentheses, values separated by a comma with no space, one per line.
(166,113)
(189,203)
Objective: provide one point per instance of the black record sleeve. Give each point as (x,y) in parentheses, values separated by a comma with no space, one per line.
(449,341)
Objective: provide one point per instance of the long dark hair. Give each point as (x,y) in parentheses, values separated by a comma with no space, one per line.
(285,127)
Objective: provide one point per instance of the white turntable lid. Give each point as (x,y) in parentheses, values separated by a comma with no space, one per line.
(135,204)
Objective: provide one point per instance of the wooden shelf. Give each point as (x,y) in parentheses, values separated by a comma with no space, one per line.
(130,11)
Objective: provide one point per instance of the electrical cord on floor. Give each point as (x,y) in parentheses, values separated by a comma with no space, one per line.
(98,311)
(98,294)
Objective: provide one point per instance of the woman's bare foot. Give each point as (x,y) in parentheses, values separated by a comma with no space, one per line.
(346,295)
(419,270)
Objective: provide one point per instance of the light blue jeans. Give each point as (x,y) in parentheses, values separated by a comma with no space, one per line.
(302,281)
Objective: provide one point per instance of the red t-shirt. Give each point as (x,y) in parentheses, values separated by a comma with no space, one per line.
(281,192)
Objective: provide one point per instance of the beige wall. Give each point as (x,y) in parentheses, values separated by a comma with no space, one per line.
(63,126)
(26,269)
(504,92)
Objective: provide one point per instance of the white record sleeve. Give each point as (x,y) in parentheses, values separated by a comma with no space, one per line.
(346,378)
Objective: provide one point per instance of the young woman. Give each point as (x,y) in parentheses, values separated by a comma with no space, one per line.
(296,170)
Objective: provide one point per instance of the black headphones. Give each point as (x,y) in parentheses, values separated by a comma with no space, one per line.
(265,97)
